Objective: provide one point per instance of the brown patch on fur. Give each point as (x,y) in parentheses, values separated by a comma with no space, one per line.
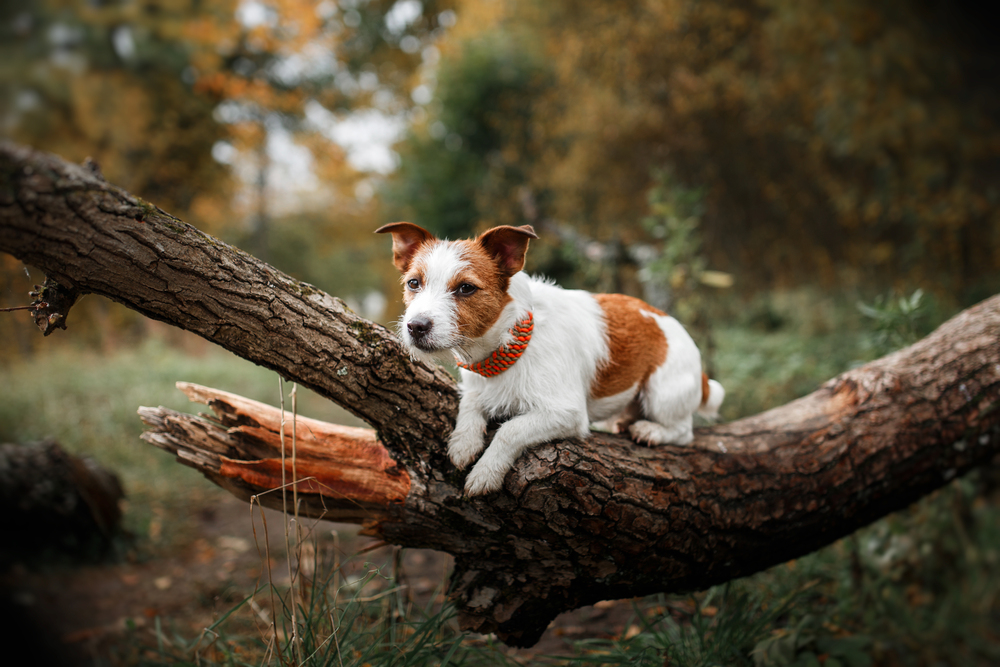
(636,345)
(477,312)
(407,239)
(507,246)
(704,388)
(416,268)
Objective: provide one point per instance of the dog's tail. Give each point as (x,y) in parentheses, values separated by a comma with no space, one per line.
(712,395)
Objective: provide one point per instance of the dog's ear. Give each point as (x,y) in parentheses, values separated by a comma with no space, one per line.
(406,238)
(507,245)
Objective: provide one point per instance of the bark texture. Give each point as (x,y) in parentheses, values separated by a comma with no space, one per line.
(577,521)
(91,237)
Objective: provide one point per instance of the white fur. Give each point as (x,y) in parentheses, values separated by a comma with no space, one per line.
(434,301)
(673,391)
(716,394)
(601,409)
(545,395)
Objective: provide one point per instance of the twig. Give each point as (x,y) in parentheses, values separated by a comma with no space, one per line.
(296,654)
(336,641)
(379,596)
(267,564)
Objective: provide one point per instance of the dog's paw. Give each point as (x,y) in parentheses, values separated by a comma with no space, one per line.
(483,479)
(464,448)
(651,433)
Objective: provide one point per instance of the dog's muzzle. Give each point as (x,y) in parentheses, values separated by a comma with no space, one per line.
(419,329)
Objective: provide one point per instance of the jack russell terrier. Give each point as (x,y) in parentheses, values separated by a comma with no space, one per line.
(552,360)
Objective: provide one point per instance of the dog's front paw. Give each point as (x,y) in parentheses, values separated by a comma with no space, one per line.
(463,448)
(484,478)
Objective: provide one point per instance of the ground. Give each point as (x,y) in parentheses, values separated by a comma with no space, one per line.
(101,613)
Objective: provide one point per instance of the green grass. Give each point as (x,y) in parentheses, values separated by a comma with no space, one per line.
(338,622)
(779,346)
(87,402)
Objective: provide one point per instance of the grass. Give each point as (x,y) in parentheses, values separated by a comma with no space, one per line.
(917,588)
(87,401)
(324,620)
(779,346)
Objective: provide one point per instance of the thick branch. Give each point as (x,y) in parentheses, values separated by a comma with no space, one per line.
(577,521)
(92,237)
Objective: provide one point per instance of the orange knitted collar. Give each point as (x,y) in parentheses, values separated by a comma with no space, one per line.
(506,355)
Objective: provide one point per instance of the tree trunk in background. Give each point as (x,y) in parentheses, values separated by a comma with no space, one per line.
(578,520)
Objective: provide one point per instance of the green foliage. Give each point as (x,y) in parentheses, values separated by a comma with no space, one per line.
(336,260)
(436,188)
(896,321)
(675,219)
(801,646)
(778,346)
(675,268)
(723,628)
(87,402)
(918,586)
(459,170)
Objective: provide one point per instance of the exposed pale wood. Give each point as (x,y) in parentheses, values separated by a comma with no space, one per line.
(342,473)
(577,521)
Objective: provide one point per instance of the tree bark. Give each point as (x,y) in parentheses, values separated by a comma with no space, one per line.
(94,238)
(578,520)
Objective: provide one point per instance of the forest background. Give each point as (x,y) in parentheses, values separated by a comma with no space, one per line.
(806,184)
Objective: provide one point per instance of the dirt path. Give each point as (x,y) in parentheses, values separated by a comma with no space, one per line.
(106,613)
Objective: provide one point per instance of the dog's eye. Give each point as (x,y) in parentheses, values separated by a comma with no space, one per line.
(465,289)
(413,283)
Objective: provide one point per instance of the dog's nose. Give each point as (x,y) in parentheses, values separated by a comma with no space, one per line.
(419,326)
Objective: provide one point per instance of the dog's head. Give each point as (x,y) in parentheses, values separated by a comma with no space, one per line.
(454,291)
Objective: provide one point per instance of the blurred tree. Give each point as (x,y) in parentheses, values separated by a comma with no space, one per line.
(825,132)
(297,68)
(842,141)
(181,101)
(84,79)
(461,166)
(115,80)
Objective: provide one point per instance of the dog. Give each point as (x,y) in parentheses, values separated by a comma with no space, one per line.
(552,361)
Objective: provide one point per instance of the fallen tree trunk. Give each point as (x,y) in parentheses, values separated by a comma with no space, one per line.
(577,521)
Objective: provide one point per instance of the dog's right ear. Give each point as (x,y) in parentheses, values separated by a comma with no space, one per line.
(406,238)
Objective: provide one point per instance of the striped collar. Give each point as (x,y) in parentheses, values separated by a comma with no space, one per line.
(506,355)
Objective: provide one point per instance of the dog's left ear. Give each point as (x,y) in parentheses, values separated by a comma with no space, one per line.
(406,238)
(507,245)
